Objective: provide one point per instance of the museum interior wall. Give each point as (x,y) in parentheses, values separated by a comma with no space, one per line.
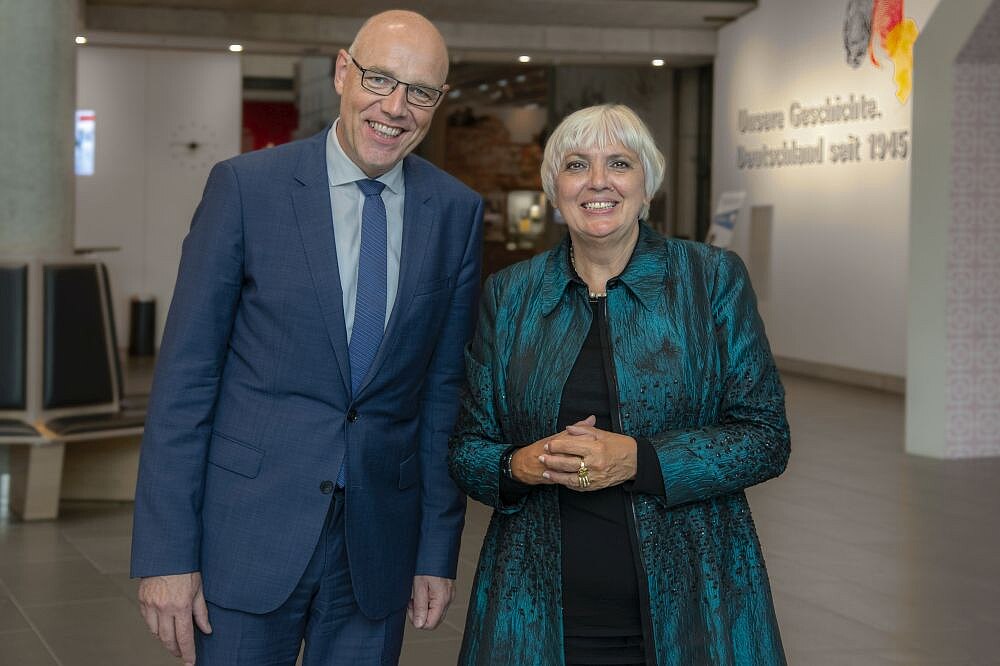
(163,118)
(815,134)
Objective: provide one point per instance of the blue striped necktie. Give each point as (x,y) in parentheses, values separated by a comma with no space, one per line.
(369,303)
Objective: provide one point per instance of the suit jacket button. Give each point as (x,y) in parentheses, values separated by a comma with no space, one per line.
(326,487)
(352,416)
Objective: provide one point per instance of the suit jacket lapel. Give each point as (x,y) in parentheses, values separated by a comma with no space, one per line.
(315,220)
(419,220)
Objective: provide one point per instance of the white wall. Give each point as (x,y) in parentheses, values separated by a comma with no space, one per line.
(149,106)
(840,231)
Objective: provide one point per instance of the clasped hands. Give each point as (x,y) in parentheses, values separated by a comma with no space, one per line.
(610,458)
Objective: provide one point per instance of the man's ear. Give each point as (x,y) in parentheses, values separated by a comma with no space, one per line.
(340,71)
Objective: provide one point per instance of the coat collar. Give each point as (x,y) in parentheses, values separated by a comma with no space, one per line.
(644,275)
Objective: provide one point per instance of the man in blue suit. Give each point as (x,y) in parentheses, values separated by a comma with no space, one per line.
(293,482)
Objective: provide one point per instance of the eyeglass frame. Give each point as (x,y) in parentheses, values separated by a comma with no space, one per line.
(364,71)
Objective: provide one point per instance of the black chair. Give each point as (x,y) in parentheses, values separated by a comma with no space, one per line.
(15,416)
(82,379)
(60,377)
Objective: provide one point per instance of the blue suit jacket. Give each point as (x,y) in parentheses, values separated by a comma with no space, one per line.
(251,410)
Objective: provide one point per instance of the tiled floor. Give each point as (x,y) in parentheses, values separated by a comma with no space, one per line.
(876,557)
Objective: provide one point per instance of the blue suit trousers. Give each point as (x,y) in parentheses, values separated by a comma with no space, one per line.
(321,610)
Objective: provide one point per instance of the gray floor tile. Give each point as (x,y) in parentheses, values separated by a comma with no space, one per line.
(807,627)
(99,633)
(107,554)
(24,648)
(863,658)
(433,653)
(10,617)
(463,587)
(129,587)
(31,584)
(444,632)
(970,645)
(876,558)
(36,542)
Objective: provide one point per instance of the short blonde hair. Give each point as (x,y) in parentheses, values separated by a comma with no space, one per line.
(598,127)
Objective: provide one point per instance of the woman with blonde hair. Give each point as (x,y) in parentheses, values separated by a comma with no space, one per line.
(621,396)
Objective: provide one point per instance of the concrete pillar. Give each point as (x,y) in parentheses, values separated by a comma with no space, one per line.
(38,89)
(945,402)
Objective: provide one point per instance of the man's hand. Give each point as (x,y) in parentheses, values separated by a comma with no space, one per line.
(167,603)
(430,600)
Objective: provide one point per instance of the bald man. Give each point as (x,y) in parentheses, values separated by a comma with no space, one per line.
(292,482)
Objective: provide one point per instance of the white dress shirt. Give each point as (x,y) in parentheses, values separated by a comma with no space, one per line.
(347,202)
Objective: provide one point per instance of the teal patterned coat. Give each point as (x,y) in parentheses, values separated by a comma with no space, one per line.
(696,377)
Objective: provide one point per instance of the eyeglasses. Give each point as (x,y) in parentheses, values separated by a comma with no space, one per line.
(383,84)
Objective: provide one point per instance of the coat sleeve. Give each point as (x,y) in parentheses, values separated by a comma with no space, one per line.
(477,442)
(750,442)
(167,522)
(443,505)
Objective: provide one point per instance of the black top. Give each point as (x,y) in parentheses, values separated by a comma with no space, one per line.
(602,618)
(600,593)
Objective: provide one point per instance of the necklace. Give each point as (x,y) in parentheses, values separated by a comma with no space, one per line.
(572,260)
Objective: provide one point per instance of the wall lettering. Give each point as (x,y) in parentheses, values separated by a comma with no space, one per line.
(833,112)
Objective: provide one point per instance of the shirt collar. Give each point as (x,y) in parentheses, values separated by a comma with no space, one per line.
(341,170)
(644,275)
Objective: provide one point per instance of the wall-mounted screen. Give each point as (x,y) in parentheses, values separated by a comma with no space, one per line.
(84,142)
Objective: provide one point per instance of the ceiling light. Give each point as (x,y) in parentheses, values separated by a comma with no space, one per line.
(235,48)
(483,87)
(81,40)
(502,82)
(524,58)
(658,62)
(454,94)
(520,78)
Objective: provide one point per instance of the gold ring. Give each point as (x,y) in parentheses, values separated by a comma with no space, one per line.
(583,475)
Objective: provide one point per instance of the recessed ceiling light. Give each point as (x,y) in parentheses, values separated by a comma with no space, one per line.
(524,58)
(235,48)
(658,62)
(80,39)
